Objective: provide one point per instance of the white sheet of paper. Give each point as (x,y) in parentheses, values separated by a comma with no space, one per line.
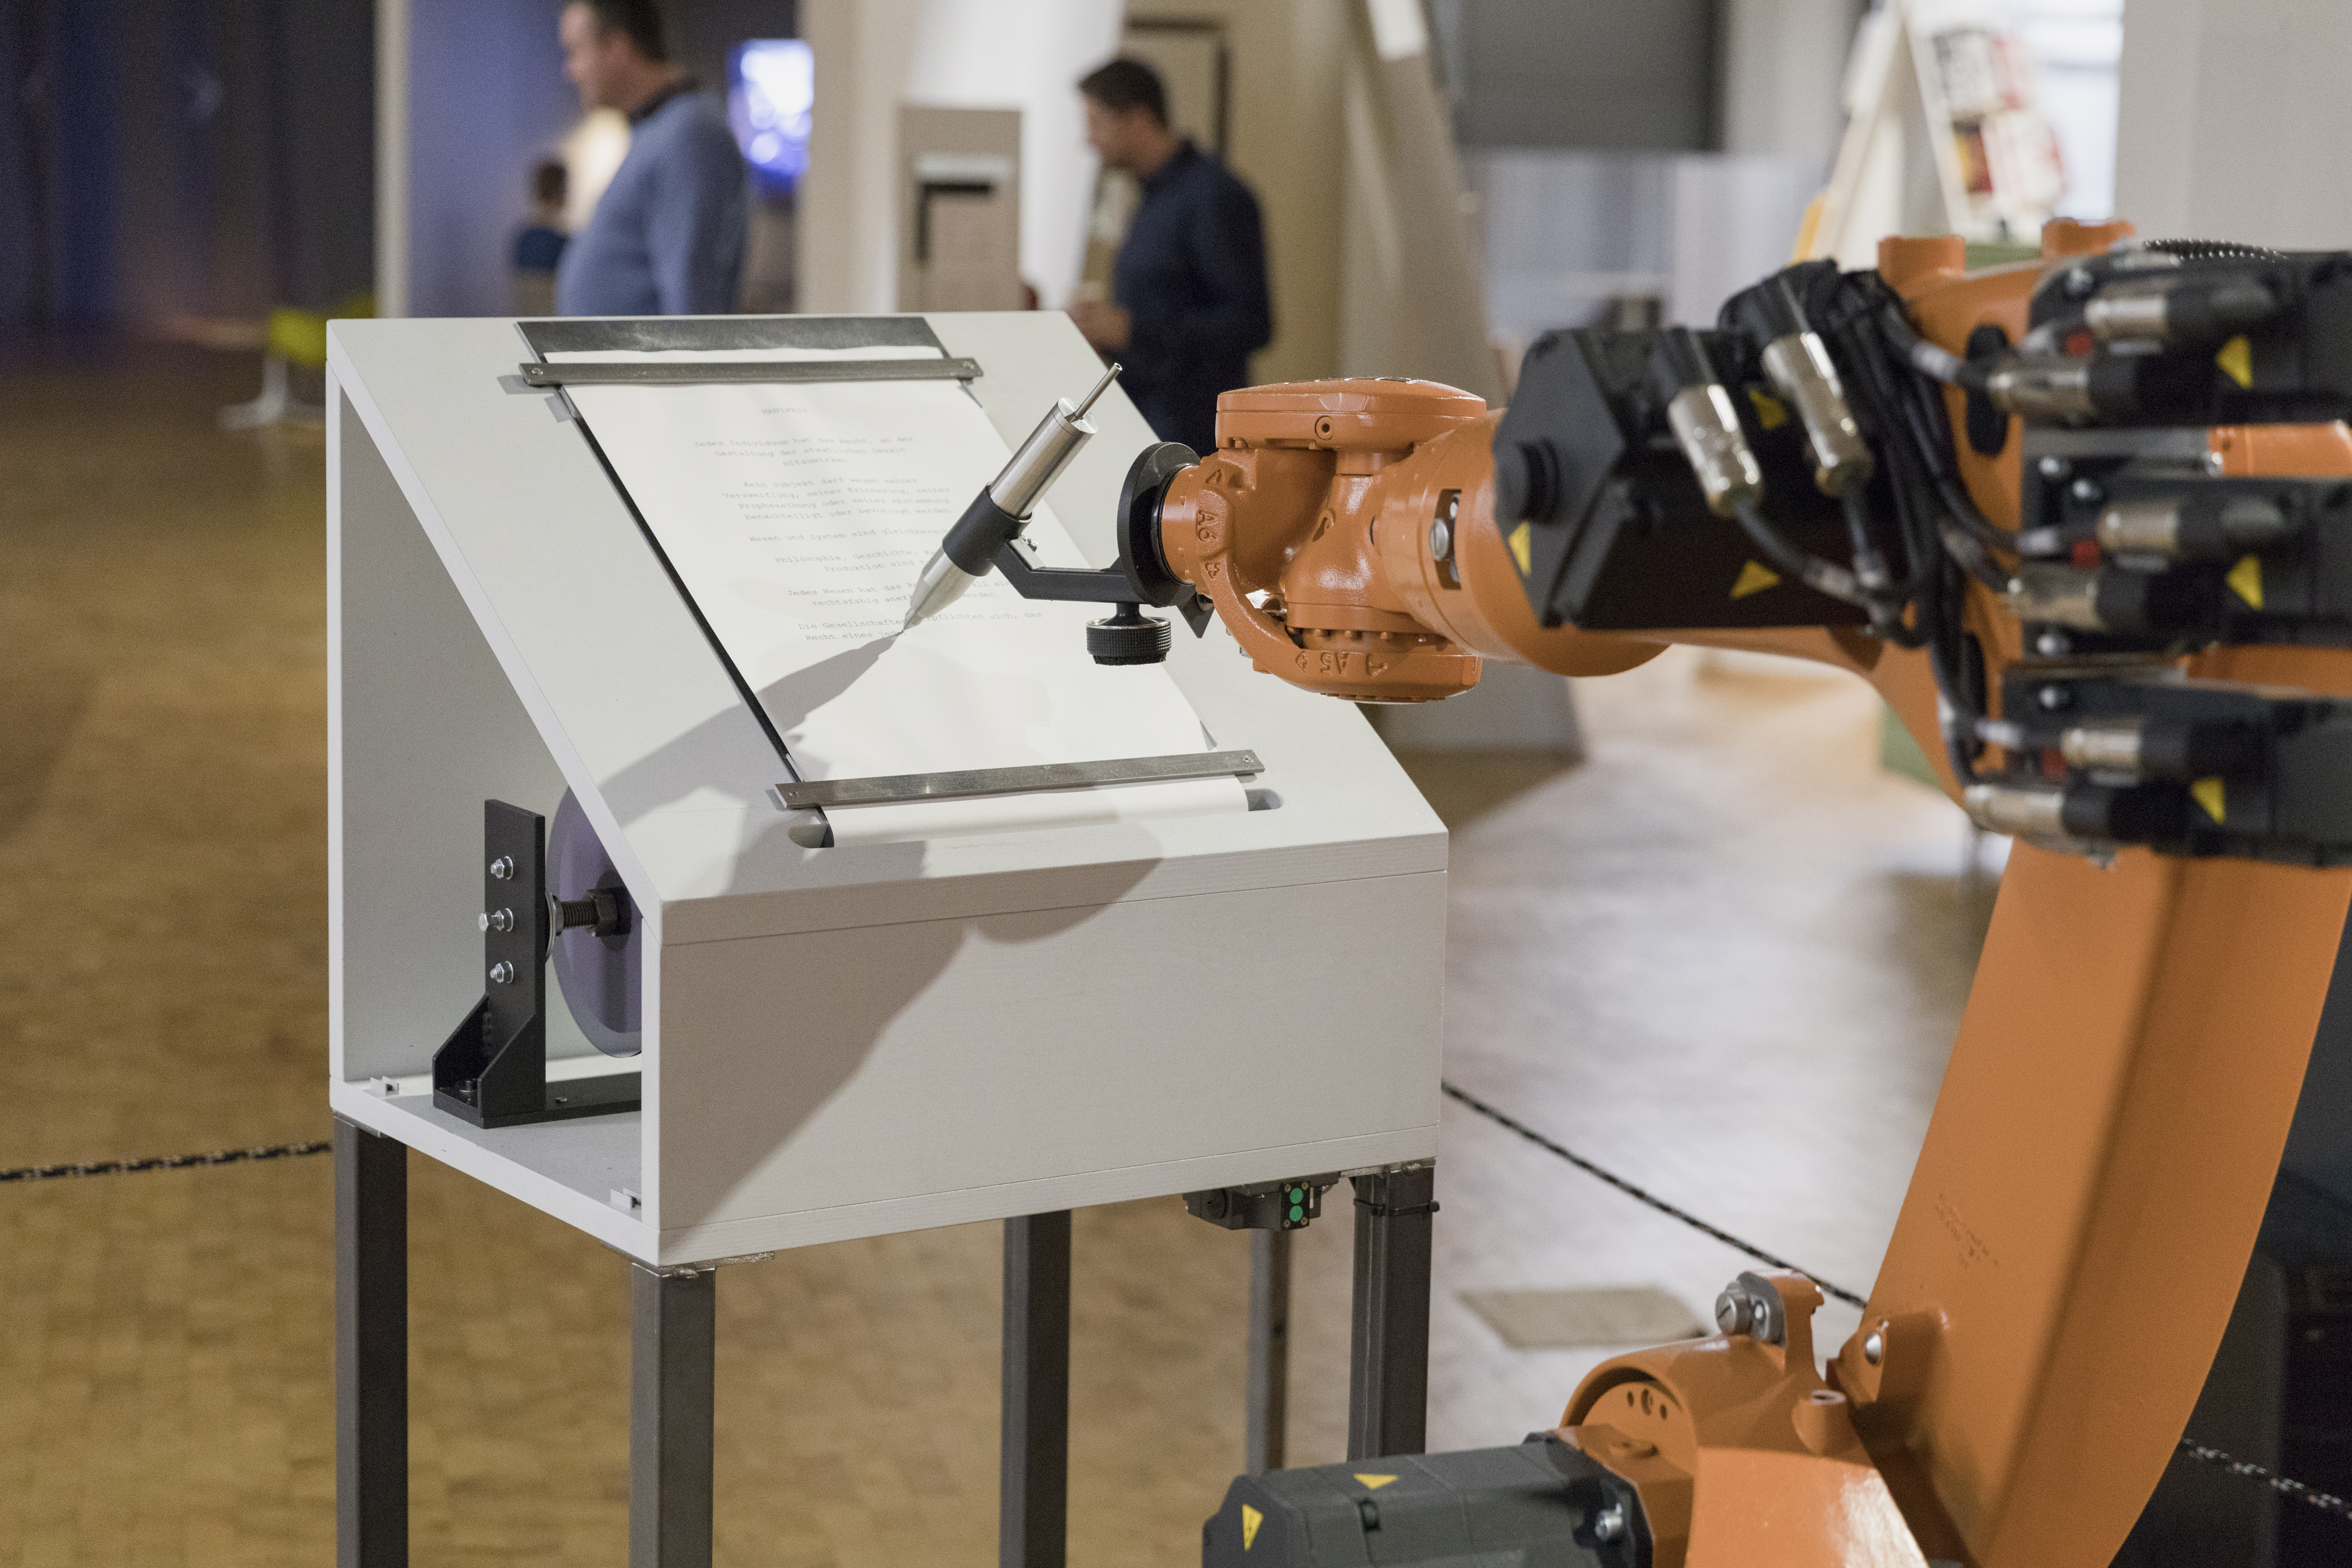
(798,516)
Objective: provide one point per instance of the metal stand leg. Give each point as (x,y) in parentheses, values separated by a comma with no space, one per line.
(371,1349)
(672,1335)
(1388,1351)
(1033,1519)
(1269,1348)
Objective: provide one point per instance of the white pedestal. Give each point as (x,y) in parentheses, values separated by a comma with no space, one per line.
(839,1042)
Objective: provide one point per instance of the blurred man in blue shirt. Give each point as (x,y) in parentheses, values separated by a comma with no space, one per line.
(666,238)
(1188,296)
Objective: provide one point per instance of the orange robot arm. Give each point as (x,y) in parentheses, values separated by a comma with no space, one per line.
(2113,1112)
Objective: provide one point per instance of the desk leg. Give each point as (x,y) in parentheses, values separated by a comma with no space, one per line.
(1269,1348)
(672,1338)
(1388,1351)
(1034,1509)
(371,1349)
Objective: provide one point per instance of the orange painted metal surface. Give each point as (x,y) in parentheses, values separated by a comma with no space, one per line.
(1741,1452)
(1302,595)
(2111,1122)
(2249,451)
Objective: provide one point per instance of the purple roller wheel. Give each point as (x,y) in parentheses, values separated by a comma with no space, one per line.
(601,977)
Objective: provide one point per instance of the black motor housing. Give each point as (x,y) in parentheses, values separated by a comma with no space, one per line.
(1541,1504)
(1604,519)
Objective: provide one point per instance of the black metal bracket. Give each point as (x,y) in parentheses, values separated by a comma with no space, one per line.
(492,1070)
(1263,1205)
(1141,576)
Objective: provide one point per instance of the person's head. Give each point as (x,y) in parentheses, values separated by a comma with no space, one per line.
(615,51)
(1127,116)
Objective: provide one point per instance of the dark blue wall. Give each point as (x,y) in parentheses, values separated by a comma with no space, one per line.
(169,159)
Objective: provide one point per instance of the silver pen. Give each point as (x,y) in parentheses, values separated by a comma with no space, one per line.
(995,517)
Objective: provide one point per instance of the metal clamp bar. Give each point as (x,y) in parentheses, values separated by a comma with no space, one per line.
(665,372)
(1014,781)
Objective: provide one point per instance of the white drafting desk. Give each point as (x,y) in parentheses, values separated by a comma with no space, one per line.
(838,1042)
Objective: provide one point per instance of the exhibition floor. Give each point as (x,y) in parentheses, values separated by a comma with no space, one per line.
(1725,956)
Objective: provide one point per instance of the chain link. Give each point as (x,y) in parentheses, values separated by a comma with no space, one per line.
(163,1162)
(1502,1119)
(2325,1502)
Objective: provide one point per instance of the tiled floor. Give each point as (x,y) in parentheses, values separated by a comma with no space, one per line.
(1726,956)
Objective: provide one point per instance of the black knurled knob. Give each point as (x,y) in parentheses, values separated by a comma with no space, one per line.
(1129,636)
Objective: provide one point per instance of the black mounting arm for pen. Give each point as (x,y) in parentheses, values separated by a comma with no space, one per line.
(989,534)
(1141,576)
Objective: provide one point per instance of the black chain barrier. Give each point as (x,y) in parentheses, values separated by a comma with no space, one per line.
(163,1162)
(2326,1502)
(1502,1119)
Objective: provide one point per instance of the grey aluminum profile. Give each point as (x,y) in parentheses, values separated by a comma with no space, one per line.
(682,373)
(974,782)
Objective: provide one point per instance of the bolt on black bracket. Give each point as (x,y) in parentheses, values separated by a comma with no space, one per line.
(492,1070)
(1262,1206)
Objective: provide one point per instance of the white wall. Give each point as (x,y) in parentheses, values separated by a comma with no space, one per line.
(1412,298)
(1565,232)
(874,55)
(847,227)
(2232,123)
(1783,77)
(1027,54)
(2075,43)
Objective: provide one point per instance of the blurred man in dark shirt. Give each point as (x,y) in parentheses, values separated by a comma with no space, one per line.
(1189,296)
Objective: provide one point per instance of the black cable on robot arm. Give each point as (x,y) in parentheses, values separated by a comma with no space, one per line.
(1939,602)
(1922,549)
(1923,545)
(1930,422)
(1916,444)
(1928,359)
(1821,576)
(1889,599)
(1885,604)
(1860,349)
(1947,658)
(1932,428)
(1858,372)
(1901,436)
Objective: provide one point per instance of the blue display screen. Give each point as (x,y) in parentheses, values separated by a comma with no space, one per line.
(772,88)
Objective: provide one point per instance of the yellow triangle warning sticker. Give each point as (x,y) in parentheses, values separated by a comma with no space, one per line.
(2209,794)
(1522,545)
(2237,361)
(1251,1519)
(1376,1482)
(2245,580)
(1754,578)
(1769,413)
